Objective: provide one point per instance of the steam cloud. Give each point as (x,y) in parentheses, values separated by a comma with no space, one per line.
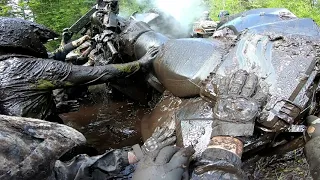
(185,11)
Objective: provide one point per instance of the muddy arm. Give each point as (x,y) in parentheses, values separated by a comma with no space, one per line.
(82,75)
(100,74)
(61,53)
(235,111)
(50,142)
(56,74)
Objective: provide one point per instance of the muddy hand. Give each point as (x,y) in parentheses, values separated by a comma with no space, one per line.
(147,60)
(237,101)
(66,36)
(170,164)
(68,106)
(75,44)
(62,52)
(239,97)
(161,138)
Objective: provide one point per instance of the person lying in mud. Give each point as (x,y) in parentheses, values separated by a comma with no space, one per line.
(28,76)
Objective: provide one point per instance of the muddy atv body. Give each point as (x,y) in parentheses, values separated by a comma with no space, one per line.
(285,59)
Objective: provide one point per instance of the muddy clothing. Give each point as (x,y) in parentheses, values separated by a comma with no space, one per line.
(312,151)
(30,149)
(26,83)
(106,166)
(61,53)
(219,164)
(25,37)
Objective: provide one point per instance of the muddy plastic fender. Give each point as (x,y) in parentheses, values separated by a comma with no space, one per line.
(184,63)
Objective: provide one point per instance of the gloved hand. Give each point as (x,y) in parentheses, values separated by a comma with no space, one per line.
(147,60)
(66,36)
(168,164)
(238,99)
(160,138)
(68,106)
(62,52)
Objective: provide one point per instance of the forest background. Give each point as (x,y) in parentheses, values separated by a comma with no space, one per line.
(59,14)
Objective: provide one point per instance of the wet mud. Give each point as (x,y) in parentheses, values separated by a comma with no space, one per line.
(108,125)
(118,124)
(290,166)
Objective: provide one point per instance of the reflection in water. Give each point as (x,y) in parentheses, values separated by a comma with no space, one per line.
(109,125)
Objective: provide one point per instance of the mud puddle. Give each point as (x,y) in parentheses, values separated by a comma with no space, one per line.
(108,125)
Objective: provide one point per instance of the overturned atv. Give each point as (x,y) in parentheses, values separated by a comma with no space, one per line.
(284,59)
(109,46)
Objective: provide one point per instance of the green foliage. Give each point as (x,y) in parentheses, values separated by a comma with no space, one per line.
(60,14)
(301,8)
(5,10)
(127,7)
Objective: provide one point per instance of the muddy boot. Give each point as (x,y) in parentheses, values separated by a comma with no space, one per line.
(312,148)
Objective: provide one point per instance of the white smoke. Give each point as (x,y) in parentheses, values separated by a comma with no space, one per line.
(185,11)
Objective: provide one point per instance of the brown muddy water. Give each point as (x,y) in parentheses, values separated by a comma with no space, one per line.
(112,125)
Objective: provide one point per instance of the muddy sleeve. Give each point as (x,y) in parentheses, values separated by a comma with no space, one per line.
(105,166)
(219,164)
(51,74)
(61,53)
(312,152)
(81,75)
